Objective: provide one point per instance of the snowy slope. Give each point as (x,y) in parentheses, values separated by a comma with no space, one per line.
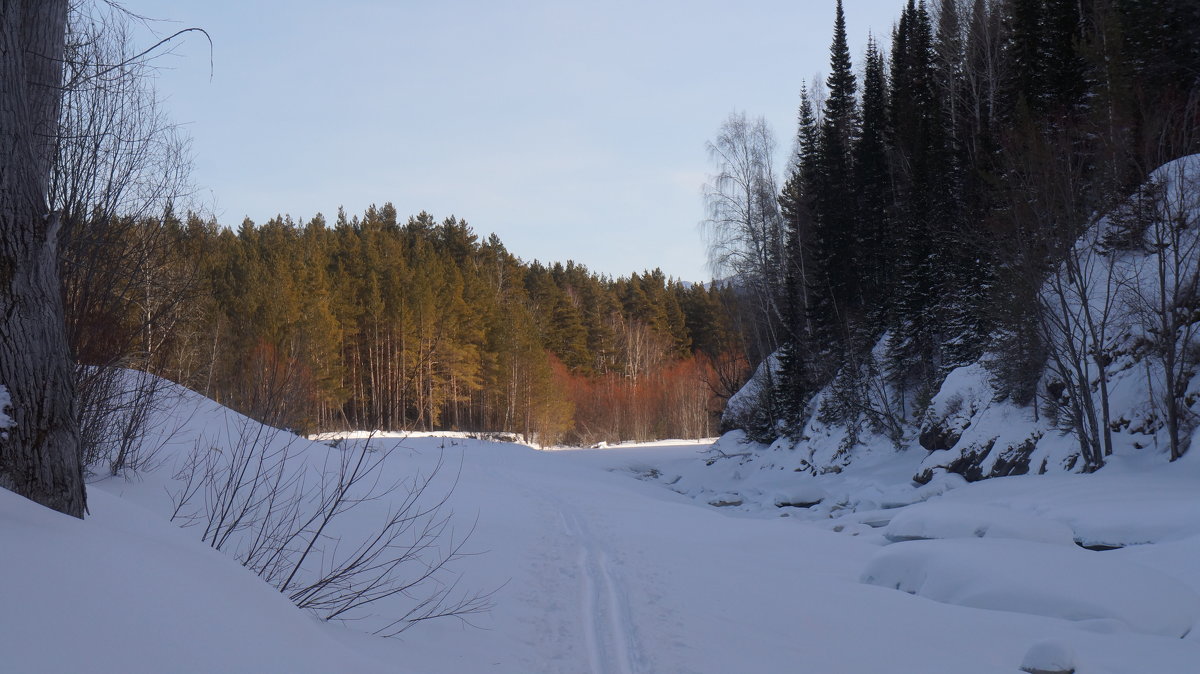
(1119,283)
(125,591)
(969,428)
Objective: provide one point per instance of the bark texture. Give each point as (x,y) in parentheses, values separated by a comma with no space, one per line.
(39,455)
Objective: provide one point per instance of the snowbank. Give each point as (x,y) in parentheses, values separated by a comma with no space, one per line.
(125,591)
(613,560)
(960,520)
(1039,579)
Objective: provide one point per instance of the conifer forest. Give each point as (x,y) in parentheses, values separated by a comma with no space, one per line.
(936,188)
(932,185)
(374,323)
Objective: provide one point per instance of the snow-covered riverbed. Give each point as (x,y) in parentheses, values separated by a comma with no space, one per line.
(603,566)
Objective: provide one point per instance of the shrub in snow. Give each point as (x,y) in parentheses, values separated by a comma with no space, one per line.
(942,519)
(1049,657)
(116,408)
(1039,579)
(279,505)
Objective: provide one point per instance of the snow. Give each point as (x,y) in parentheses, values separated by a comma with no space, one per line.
(964,520)
(744,404)
(1047,657)
(1118,283)
(1128,503)
(611,560)
(1038,579)
(125,591)
(973,428)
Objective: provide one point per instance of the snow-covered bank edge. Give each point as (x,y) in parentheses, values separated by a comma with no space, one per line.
(1104,326)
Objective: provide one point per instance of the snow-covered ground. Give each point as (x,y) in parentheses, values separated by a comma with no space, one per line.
(614,560)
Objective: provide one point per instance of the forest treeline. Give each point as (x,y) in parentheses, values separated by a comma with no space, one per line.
(367,322)
(375,323)
(931,193)
(934,192)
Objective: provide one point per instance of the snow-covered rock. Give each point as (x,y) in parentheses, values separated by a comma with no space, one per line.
(971,426)
(744,409)
(944,519)
(1040,579)
(1049,657)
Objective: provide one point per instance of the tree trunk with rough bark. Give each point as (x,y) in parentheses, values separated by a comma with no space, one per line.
(39,455)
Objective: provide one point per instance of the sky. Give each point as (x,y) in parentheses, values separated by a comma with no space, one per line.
(572,130)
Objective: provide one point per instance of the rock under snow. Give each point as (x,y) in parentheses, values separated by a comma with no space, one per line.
(1040,579)
(941,519)
(1049,657)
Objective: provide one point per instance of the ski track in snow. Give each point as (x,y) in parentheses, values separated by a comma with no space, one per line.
(604,610)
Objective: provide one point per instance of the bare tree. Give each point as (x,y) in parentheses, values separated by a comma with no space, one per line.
(1166,297)
(745,229)
(1073,288)
(1076,312)
(39,455)
(120,167)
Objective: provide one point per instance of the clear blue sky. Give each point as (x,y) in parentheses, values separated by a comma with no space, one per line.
(573,130)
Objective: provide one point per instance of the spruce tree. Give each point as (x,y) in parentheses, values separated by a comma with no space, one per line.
(949,68)
(873,185)
(1022,91)
(980,87)
(918,136)
(1063,71)
(795,382)
(833,281)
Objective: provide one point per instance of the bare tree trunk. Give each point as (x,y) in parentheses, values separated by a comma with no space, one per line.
(39,455)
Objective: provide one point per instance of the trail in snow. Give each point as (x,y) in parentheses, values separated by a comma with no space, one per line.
(604,608)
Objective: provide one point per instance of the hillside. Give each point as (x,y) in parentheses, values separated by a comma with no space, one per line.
(1104,327)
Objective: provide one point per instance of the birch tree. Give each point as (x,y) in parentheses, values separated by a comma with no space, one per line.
(744,225)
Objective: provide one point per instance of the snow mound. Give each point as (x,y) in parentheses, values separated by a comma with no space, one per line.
(800,495)
(1175,558)
(1049,657)
(943,519)
(1038,579)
